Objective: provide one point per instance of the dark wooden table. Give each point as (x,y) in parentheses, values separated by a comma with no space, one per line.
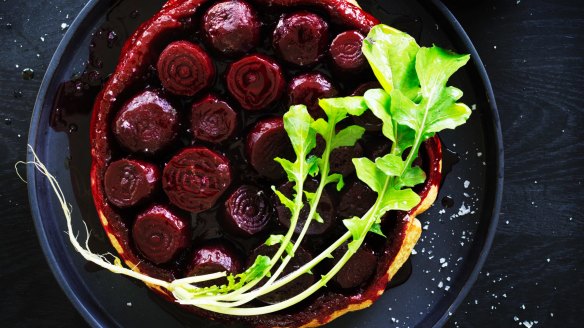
(534,53)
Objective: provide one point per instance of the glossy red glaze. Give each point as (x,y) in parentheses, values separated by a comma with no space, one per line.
(266,141)
(256,82)
(159,234)
(130,182)
(301,38)
(147,123)
(346,53)
(247,211)
(232,27)
(308,88)
(185,68)
(195,178)
(213,120)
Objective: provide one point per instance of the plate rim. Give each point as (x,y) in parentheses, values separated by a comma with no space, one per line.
(90,315)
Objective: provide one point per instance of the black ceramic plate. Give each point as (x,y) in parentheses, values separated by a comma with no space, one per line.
(458,229)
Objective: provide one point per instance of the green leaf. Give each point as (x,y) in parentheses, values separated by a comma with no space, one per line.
(347,137)
(321,127)
(313,168)
(318,218)
(376,229)
(337,109)
(279,239)
(434,67)
(412,177)
(357,227)
(392,56)
(405,112)
(369,173)
(391,165)
(297,123)
(401,200)
(448,118)
(379,102)
(289,168)
(274,240)
(284,200)
(309,195)
(338,178)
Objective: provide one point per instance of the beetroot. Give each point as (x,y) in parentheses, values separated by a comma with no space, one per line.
(308,88)
(232,27)
(326,209)
(368,121)
(195,178)
(301,38)
(185,68)
(213,120)
(147,123)
(356,199)
(159,234)
(266,141)
(130,182)
(357,270)
(298,285)
(342,159)
(346,54)
(211,258)
(256,82)
(247,211)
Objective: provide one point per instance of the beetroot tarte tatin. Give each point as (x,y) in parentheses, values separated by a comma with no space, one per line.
(184,136)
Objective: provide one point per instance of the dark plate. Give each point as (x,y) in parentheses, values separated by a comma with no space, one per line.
(455,241)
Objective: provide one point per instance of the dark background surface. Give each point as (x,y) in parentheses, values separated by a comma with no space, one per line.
(534,53)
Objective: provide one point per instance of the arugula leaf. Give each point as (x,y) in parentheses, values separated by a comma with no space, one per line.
(378,100)
(297,123)
(347,137)
(391,54)
(391,165)
(434,66)
(413,176)
(336,109)
(368,172)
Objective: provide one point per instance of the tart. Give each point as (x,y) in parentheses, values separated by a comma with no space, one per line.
(185,131)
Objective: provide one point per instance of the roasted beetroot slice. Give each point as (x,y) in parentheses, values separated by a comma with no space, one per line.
(298,285)
(342,159)
(213,120)
(301,38)
(147,123)
(357,270)
(308,88)
(356,199)
(256,82)
(159,234)
(247,211)
(232,27)
(266,141)
(346,54)
(369,121)
(195,178)
(326,209)
(130,182)
(214,257)
(185,68)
